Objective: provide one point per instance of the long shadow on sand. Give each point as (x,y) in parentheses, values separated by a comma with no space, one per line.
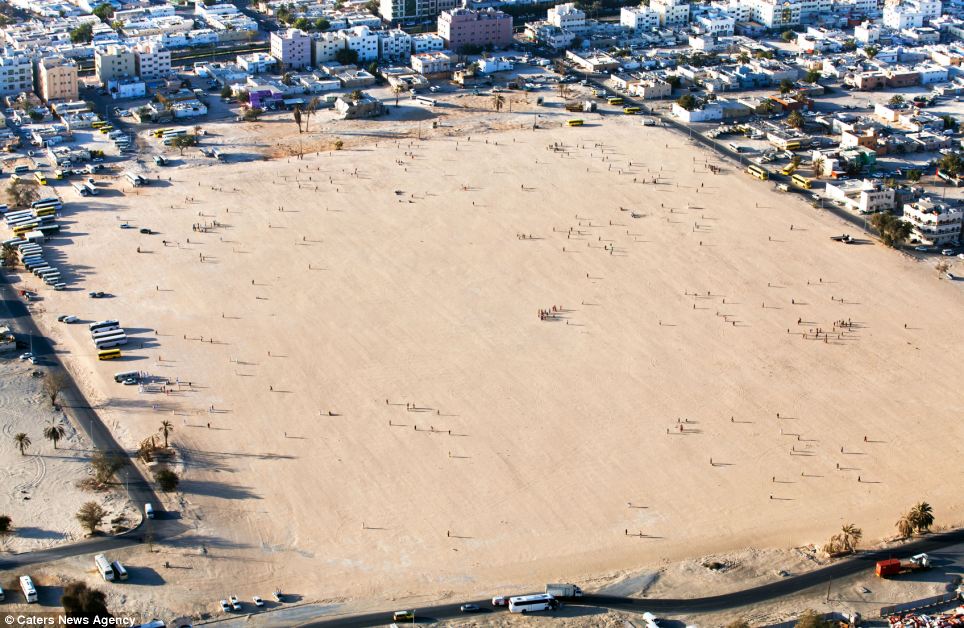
(220,460)
(217,489)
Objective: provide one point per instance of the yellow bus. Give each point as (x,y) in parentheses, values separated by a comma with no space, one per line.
(758,172)
(793,145)
(106,129)
(574,122)
(615,100)
(97,124)
(108,354)
(40,177)
(787,170)
(631,111)
(160,132)
(45,211)
(801,181)
(21,230)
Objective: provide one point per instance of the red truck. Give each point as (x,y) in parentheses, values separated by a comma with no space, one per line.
(894,567)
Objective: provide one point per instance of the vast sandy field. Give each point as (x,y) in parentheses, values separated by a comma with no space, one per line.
(376,409)
(40,489)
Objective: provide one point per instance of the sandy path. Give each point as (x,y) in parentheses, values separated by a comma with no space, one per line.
(564,433)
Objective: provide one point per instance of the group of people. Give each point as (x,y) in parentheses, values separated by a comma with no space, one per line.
(551,313)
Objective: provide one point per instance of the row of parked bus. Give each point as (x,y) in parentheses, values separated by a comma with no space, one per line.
(110,570)
(763,174)
(107,335)
(30,228)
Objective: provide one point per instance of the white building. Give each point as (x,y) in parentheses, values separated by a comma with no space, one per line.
(126,88)
(811,9)
(933,222)
(861,196)
(394,44)
(152,61)
(292,48)
(568,17)
(911,13)
(715,23)
(431,63)
(775,13)
(866,33)
(362,40)
(639,18)
(671,12)
(487,65)
(16,73)
(257,62)
(327,45)
(427,42)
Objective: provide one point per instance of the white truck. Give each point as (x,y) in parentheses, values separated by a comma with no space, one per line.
(563,590)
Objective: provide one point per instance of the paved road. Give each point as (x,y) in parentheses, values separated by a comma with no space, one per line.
(949,548)
(86,419)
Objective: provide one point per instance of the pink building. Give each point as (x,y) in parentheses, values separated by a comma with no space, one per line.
(461,27)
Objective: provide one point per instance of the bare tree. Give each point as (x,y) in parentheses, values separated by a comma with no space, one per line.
(53,384)
(105,466)
(942,267)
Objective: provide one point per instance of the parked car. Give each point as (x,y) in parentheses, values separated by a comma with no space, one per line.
(470,608)
(257,601)
(235,602)
(146,231)
(947,252)
(97,294)
(278,597)
(500,600)
(225,607)
(26,356)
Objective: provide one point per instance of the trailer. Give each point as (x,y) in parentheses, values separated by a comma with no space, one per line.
(563,590)
(895,567)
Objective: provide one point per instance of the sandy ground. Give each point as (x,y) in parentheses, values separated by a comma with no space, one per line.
(40,493)
(376,410)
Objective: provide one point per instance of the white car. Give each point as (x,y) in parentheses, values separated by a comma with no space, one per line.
(225,607)
(258,601)
(500,600)
(235,602)
(277,597)
(26,356)
(70,318)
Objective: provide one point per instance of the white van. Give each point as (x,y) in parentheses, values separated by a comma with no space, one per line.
(149,511)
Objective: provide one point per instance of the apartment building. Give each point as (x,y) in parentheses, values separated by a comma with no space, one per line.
(292,48)
(671,12)
(57,79)
(465,27)
(639,18)
(16,73)
(861,196)
(152,61)
(933,222)
(911,13)
(567,17)
(394,44)
(775,13)
(431,63)
(397,10)
(363,41)
(114,62)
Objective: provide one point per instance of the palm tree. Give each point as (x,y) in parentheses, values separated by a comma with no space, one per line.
(23,442)
(54,432)
(904,527)
(166,428)
(311,108)
(296,113)
(921,516)
(850,536)
(743,57)
(396,89)
(497,101)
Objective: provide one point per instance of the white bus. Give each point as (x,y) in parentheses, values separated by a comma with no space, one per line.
(103,324)
(135,179)
(90,189)
(29,591)
(81,188)
(103,332)
(119,570)
(104,567)
(110,342)
(532,603)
